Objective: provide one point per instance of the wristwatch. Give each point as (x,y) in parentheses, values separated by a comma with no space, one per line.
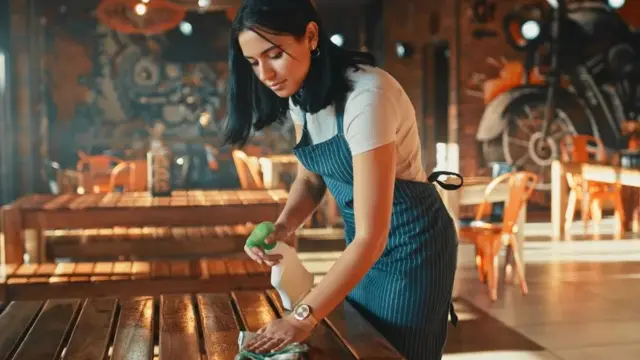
(302,312)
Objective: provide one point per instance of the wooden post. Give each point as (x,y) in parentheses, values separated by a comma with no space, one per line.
(26,80)
(558,199)
(7,128)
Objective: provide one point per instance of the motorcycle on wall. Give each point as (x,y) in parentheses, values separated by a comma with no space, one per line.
(581,75)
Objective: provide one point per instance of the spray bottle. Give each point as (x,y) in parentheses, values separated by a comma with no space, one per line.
(289,277)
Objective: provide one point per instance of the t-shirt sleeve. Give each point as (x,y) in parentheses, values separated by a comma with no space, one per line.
(370,120)
(295,114)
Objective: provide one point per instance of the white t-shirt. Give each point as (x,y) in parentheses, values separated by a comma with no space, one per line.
(377,112)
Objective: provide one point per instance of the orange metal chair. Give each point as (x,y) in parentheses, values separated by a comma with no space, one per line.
(489,238)
(248,168)
(95,171)
(588,149)
(129,176)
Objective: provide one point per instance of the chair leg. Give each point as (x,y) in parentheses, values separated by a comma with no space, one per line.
(620,213)
(584,213)
(572,201)
(519,265)
(480,267)
(492,276)
(596,215)
(508,264)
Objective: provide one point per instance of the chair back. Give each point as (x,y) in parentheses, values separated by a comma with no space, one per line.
(582,149)
(130,176)
(248,168)
(521,185)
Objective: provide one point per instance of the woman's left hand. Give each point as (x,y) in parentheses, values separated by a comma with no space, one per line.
(278,334)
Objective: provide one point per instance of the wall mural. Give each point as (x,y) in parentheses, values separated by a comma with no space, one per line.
(107,89)
(593,68)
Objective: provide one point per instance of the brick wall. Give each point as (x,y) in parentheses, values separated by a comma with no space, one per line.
(421,23)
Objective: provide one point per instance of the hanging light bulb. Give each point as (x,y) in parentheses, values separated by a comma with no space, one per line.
(530,30)
(337,39)
(140,9)
(616,4)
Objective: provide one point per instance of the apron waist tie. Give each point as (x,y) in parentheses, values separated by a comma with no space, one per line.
(433,177)
(454,316)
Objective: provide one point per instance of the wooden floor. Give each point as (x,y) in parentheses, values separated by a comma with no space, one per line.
(583,301)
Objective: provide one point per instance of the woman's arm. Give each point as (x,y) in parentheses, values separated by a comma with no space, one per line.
(305,194)
(374,178)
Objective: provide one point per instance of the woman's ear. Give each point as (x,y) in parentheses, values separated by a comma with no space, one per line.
(312,35)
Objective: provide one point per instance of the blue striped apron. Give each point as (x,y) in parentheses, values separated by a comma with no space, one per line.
(407,293)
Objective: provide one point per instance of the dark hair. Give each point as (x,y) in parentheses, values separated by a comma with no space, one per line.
(253,105)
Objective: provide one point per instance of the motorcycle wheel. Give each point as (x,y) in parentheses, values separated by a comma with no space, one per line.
(522,145)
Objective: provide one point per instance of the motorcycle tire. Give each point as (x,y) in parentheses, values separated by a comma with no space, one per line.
(574,113)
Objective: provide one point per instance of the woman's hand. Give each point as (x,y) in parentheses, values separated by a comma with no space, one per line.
(257,254)
(278,334)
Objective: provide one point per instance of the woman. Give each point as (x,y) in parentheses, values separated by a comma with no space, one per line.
(356,136)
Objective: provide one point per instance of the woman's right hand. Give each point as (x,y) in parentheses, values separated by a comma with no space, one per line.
(258,254)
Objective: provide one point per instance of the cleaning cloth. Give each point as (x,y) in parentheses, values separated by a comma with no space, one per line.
(293,351)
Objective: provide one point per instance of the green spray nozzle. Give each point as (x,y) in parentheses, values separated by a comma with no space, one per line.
(259,235)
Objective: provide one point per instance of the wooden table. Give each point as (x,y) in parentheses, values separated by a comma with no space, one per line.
(589,172)
(131,209)
(180,326)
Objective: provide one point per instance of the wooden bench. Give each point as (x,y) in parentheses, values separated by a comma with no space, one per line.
(176,326)
(147,242)
(88,279)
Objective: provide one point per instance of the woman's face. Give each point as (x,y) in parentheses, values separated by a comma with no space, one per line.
(281,62)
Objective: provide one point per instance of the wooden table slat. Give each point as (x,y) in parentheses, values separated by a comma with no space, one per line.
(160,269)
(46,269)
(179,268)
(44,340)
(236,267)
(26,270)
(253,268)
(14,322)
(141,269)
(86,201)
(122,267)
(134,336)
(216,267)
(178,328)
(322,338)
(33,201)
(60,202)
(220,326)
(110,200)
(90,338)
(102,271)
(255,311)
(354,331)
(7,270)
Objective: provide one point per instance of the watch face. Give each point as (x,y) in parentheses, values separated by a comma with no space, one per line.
(302,312)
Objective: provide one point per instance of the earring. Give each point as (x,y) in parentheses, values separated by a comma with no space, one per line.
(315,52)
